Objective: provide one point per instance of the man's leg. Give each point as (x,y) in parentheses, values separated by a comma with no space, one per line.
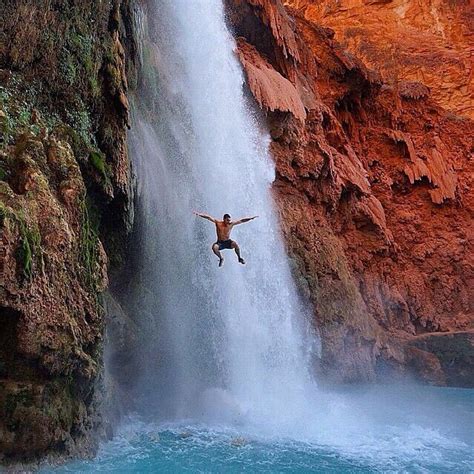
(235,246)
(215,249)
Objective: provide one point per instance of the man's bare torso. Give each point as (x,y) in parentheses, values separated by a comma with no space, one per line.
(223,230)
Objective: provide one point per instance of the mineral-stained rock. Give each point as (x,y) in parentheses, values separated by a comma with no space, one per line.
(270,88)
(64,195)
(453,355)
(51,322)
(374,190)
(429,42)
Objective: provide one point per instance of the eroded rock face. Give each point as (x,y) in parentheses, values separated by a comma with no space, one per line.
(374,189)
(425,41)
(64,198)
(53,268)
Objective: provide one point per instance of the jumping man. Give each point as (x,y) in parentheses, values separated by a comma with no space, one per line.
(223,229)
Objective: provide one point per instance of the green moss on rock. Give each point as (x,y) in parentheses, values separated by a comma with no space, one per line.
(29,248)
(97,160)
(89,242)
(56,97)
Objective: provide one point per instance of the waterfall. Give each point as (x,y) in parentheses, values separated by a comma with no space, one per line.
(230,344)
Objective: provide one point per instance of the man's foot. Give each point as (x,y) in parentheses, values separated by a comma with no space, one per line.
(242,261)
(221,262)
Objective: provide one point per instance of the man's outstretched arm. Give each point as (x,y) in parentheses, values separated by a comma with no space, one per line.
(205,216)
(243,220)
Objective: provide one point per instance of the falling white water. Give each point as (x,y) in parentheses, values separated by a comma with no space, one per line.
(232,344)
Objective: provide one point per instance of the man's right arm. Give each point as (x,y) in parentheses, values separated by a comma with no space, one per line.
(205,216)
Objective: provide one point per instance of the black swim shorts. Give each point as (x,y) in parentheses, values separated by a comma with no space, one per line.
(224,244)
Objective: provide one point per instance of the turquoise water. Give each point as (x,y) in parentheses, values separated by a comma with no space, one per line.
(415,429)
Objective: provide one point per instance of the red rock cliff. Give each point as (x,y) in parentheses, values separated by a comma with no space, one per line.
(374,188)
(426,41)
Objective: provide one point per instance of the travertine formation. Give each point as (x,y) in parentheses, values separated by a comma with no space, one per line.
(64,198)
(374,189)
(429,41)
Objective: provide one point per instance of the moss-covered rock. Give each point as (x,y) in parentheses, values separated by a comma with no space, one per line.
(64,171)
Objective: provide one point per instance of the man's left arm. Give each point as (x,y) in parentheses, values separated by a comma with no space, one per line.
(244,219)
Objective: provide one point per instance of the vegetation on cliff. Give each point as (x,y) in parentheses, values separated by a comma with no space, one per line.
(63,168)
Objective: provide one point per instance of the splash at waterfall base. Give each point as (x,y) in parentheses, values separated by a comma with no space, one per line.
(362,430)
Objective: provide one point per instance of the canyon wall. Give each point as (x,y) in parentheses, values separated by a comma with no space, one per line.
(374,188)
(428,41)
(65,198)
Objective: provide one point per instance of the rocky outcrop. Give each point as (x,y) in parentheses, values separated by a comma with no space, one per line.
(64,200)
(374,189)
(429,42)
(271,90)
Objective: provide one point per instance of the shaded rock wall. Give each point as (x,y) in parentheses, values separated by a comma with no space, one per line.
(426,41)
(374,188)
(65,198)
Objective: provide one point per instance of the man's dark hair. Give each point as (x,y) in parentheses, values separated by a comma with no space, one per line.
(226,216)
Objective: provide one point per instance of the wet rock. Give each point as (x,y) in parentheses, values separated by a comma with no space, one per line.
(53,262)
